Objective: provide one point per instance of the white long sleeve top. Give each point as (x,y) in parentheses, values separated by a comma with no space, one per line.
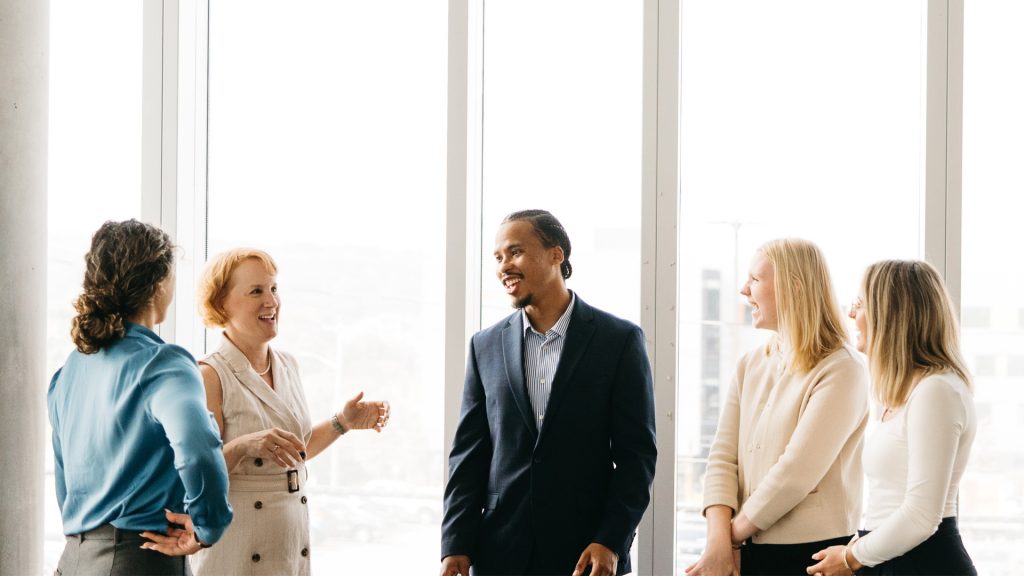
(914,462)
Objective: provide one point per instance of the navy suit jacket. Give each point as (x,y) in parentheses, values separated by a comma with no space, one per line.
(520,502)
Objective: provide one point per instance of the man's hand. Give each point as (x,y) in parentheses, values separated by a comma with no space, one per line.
(457,565)
(602,560)
(176,542)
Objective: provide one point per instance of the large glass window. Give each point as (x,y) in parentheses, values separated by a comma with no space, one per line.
(94,171)
(326,148)
(562,89)
(796,119)
(992,492)
(562,110)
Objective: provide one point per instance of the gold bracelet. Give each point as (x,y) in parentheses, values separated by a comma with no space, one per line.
(845,561)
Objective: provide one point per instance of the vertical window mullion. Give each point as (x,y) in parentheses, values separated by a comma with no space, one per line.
(659,254)
(160,125)
(944,139)
(457,279)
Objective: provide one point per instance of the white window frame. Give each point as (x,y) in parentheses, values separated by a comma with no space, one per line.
(174,168)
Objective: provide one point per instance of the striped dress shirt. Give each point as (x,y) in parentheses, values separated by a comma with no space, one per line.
(541,353)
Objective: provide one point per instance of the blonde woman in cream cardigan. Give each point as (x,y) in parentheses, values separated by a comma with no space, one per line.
(917,453)
(784,477)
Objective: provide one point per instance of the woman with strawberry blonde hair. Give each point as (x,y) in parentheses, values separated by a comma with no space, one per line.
(917,454)
(256,397)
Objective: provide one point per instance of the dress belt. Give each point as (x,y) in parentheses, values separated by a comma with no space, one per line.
(291,481)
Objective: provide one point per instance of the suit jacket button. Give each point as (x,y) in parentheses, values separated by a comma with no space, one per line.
(536,459)
(259,462)
(258,505)
(255,557)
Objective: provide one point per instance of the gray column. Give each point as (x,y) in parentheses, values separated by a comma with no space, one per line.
(24,102)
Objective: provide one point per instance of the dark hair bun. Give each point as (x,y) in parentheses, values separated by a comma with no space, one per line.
(123,271)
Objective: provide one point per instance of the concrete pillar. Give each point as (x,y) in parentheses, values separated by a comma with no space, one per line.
(24,103)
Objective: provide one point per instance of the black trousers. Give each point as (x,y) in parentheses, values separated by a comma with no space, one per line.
(942,554)
(108,551)
(783,559)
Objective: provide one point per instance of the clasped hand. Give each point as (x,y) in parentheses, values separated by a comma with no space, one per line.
(719,560)
(274,444)
(832,562)
(177,541)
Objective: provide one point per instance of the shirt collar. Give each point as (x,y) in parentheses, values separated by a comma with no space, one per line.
(133,329)
(560,326)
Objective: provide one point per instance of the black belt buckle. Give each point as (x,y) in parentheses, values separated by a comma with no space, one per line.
(293,481)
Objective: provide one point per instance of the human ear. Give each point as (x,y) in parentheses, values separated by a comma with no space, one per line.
(558,255)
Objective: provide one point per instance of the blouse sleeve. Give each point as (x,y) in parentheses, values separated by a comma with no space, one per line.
(178,403)
(60,483)
(936,418)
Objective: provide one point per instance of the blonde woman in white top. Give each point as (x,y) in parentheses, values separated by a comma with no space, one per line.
(784,475)
(256,397)
(917,454)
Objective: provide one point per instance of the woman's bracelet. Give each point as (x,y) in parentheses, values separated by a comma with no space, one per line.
(338,427)
(846,550)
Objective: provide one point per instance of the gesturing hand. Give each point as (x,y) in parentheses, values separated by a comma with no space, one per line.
(359,415)
(177,541)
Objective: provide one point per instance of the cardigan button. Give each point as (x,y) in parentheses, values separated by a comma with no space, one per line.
(305,552)
(259,462)
(303,499)
(255,557)
(258,505)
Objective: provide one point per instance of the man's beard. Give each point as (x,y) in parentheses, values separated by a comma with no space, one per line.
(520,303)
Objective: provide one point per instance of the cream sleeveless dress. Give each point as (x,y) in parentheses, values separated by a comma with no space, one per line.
(270,531)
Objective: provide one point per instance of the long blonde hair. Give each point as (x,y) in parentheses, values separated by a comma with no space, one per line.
(810,320)
(911,328)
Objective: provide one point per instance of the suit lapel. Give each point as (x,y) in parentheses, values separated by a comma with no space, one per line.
(512,346)
(577,338)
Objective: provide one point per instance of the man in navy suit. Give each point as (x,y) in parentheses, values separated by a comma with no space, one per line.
(553,459)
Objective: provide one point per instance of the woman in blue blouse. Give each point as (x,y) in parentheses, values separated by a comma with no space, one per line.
(134,445)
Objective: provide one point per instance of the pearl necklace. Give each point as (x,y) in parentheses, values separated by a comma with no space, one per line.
(269,364)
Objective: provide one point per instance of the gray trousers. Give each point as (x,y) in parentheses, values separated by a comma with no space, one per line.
(108,551)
